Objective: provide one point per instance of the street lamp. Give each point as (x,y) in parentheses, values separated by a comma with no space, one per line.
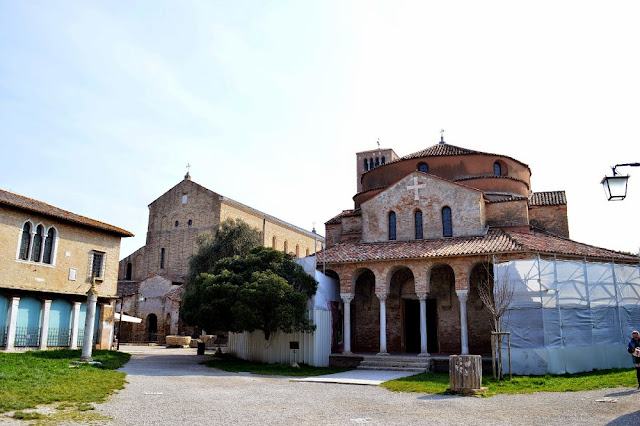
(615,187)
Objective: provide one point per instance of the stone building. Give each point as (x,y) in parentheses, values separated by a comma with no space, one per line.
(49,259)
(151,278)
(424,231)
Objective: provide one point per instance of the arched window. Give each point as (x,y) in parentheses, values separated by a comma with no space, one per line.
(447,228)
(176,224)
(162,251)
(377,161)
(273,242)
(297,250)
(25,243)
(366,165)
(129,271)
(49,246)
(423,167)
(497,169)
(36,251)
(418,224)
(190,222)
(370,163)
(383,160)
(392,225)
(286,246)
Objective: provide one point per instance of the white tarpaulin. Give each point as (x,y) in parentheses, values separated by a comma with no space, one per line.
(570,316)
(127,318)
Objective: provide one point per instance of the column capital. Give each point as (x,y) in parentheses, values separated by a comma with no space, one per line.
(463,295)
(422,296)
(347,297)
(382,295)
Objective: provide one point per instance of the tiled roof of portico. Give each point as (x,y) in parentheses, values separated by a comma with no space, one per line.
(495,241)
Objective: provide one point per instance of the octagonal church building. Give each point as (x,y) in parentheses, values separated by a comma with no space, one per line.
(426,229)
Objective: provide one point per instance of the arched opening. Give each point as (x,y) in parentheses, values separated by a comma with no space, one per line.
(365,315)
(334,303)
(25,242)
(443,309)
(479,318)
(497,169)
(418,224)
(392,225)
(403,304)
(152,328)
(49,246)
(37,244)
(423,167)
(447,225)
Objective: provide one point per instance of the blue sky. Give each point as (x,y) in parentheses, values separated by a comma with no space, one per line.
(103,104)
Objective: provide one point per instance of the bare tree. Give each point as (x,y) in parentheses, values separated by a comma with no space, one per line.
(496,292)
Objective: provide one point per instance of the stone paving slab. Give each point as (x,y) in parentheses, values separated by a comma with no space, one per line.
(358,377)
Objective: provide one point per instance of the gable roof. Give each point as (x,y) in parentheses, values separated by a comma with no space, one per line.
(29,204)
(495,241)
(550,198)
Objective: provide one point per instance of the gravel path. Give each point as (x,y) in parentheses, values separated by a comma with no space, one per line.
(168,386)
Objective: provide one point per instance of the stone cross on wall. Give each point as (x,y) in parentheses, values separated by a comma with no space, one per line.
(415,188)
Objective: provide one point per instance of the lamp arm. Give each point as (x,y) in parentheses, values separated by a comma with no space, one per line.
(624,165)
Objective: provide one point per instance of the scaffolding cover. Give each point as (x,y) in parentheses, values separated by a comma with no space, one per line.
(569,316)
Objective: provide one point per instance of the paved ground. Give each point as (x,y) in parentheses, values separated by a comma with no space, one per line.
(168,386)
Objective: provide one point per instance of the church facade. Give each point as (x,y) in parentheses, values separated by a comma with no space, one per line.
(151,278)
(425,230)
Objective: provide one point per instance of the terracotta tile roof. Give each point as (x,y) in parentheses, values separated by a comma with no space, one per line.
(551,198)
(509,198)
(494,241)
(29,204)
(344,213)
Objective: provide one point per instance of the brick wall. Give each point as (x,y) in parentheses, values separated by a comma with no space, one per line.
(552,218)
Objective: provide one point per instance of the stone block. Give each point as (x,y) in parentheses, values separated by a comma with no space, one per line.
(178,341)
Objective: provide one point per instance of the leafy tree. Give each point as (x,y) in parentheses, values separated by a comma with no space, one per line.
(265,290)
(234,238)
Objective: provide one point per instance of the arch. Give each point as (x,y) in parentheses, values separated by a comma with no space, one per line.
(25,241)
(366,165)
(370,163)
(297,250)
(36,249)
(447,225)
(28,322)
(418,224)
(383,160)
(479,318)
(443,309)
(50,245)
(365,313)
(59,323)
(499,168)
(392,225)
(377,161)
(403,304)
(273,242)
(151,325)
(423,167)
(129,271)
(286,246)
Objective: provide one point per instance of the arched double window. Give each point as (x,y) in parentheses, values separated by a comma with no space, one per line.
(418,224)
(37,246)
(423,167)
(392,225)
(447,227)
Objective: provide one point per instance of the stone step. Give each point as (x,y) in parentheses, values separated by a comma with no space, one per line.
(410,369)
(395,363)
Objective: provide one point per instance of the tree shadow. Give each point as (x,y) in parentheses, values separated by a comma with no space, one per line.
(627,419)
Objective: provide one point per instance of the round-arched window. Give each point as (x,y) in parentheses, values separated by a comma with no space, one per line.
(423,167)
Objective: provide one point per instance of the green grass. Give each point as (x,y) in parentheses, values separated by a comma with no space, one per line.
(437,383)
(236,365)
(34,378)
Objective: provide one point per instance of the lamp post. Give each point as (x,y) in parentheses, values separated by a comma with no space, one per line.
(615,187)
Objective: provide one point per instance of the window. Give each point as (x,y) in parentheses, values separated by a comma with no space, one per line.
(190,223)
(377,161)
(297,250)
(497,169)
(423,167)
(176,224)
(97,264)
(184,199)
(418,224)
(370,163)
(286,246)
(392,225)
(162,258)
(383,160)
(36,250)
(25,243)
(366,165)
(273,242)
(447,229)
(38,246)
(49,246)
(129,270)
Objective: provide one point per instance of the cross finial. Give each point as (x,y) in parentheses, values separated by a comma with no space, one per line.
(441,136)
(378,142)
(188,176)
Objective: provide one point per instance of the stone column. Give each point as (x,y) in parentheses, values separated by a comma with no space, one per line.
(423,324)
(87,342)
(346,299)
(13,322)
(73,344)
(464,333)
(44,328)
(383,323)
